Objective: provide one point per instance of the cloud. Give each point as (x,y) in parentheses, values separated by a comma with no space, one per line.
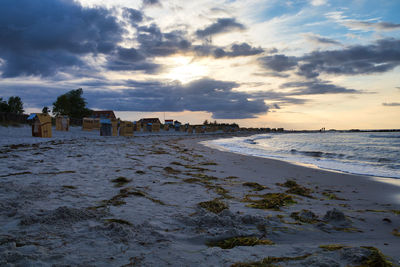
(134,16)
(369,25)
(382,56)
(222,25)
(153,42)
(318,39)
(208,95)
(151,2)
(130,59)
(317,87)
(44,37)
(214,96)
(234,50)
(393,104)
(278,63)
(318,2)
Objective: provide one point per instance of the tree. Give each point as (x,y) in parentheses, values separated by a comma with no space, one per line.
(71,104)
(4,106)
(15,105)
(46,110)
(205,122)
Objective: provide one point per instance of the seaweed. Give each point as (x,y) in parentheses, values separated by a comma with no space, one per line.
(15,174)
(304,216)
(69,186)
(239,241)
(255,186)
(192,180)
(375,259)
(332,247)
(332,196)
(215,205)
(208,163)
(272,201)
(221,191)
(203,176)
(171,170)
(396,232)
(268,262)
(119,221)
(296,189)
(120,181)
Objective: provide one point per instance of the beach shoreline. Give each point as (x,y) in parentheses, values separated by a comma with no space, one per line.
(82,199)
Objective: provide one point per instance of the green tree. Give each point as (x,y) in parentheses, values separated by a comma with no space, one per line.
(71,104)
(15,105)
(4,106)
(46,110)
(205,122)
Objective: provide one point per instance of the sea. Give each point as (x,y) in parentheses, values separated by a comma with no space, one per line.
(366,153)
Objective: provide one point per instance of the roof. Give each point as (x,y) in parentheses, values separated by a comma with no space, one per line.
(43,118)
(150,120)
(109,114)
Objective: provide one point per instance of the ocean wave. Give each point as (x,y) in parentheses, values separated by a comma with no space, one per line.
(250,141)
(318,154)
(253,141)
(384,136)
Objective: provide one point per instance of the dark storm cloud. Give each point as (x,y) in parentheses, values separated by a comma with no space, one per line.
(216,97)
(222,25)
(317,87)
(235,50)
(278,62)
(393,104)
(134,16)
(382,56)
(153,42)
(43,37)
(208,95)
(130,59)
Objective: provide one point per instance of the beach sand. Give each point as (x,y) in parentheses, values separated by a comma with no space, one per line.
(79,199)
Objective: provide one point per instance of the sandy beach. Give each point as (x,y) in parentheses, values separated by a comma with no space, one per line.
(79,199)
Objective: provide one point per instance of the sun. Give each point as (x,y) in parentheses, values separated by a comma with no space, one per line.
(184,69)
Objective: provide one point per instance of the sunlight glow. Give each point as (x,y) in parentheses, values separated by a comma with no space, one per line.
(185,70)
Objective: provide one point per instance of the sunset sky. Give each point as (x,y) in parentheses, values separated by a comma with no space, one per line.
(299,64)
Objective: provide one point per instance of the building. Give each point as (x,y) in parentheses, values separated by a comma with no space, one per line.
(103,114)
(169,122)
(62,123)
(41,125)
(145,121)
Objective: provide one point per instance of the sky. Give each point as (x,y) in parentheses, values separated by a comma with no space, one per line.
(297,64)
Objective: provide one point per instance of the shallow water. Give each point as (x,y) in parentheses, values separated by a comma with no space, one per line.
(375,154)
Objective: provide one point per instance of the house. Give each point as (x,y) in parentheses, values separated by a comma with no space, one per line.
(137,126)
(103,114)
(145,121)
(150,124)
(87,124)
(126,128)
(105,127)
(177,125)
(62,123)
(168,122)
(41,125)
